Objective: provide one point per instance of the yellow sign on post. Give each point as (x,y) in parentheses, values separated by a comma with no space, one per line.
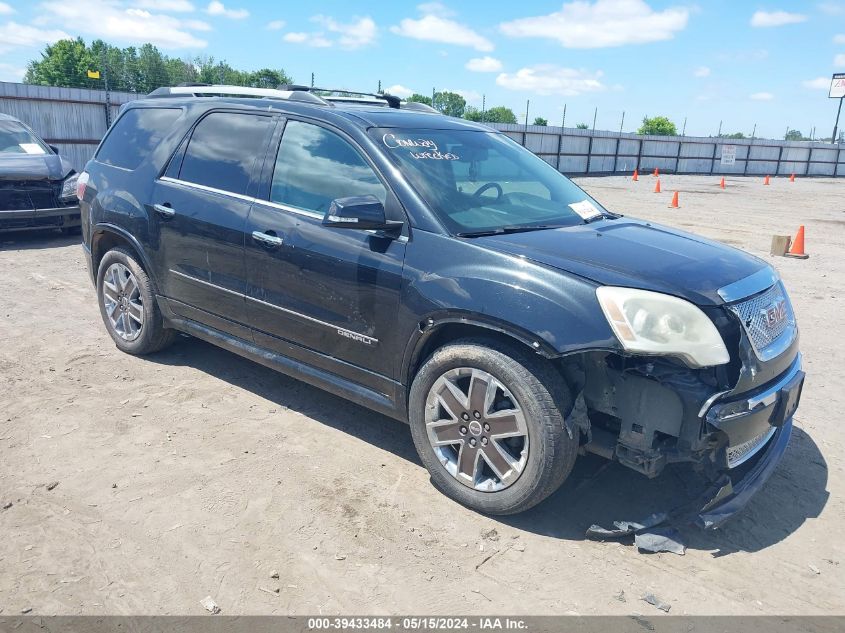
(93,74)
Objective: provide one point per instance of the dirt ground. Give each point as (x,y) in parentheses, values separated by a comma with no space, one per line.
(195,472)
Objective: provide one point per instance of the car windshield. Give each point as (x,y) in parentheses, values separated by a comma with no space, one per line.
(482,183)
(15,138)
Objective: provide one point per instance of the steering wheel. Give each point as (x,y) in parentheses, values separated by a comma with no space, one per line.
(489,185)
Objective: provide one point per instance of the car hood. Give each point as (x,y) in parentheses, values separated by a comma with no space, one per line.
(33,167)
(636,254)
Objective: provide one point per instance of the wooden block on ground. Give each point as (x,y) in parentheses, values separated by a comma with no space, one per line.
(780,244)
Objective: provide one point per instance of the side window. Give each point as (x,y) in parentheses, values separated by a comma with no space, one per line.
(223,150)
(135,135)
(314,166)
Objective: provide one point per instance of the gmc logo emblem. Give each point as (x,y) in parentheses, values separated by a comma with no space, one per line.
(775,313)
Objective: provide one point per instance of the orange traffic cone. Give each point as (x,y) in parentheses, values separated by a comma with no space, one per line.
(797,249)
(657,186)
(722,182)
(636,176)
(766,181)
(674,204)
(792,178)
(656,173)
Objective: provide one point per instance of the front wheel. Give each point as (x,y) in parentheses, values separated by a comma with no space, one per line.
(488,425)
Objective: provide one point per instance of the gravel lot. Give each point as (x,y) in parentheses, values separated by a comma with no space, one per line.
(195,472)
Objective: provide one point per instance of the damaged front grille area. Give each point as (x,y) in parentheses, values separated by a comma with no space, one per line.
(28,196)
(742,452)
(768,320)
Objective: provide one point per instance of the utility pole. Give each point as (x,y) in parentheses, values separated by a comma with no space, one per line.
(483,107)
(312,80)
(527,103)
(595,115)
(684,129)
(106,86)
(379,86)
(563,120)
(754,132)
(622,124)
(719,133)
(836,125)
(433,92)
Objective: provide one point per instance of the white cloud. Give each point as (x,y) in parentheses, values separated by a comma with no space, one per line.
(832,8)
(215,7)
(839,60)
(601,24)
(6,9)
(702,71)
(470,96)
(356,34)
(776,18)
(276,25)
(435,26)
(315,40)
(762,96)
(116,23)
(819,83)
(839,39)
(548,79)
(360,32)
(176,6)
(484,64)
(9,72)
(197,25)
(14,35)
(399,90)
(435,8)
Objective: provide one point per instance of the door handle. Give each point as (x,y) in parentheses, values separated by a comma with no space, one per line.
(268,239)
(164,211)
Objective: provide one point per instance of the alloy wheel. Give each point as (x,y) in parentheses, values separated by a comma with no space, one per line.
(122,302)
(477,429)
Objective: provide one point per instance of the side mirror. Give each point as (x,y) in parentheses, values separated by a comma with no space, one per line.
(54,148)
(358,212)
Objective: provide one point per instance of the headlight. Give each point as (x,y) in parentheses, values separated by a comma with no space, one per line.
(654,323)
(69,187)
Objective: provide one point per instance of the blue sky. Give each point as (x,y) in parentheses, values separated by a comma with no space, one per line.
(744,63)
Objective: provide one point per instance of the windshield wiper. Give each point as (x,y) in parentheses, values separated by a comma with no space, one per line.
(503,230)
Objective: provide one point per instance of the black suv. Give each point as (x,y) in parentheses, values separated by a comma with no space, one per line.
(435,271)
(37,186)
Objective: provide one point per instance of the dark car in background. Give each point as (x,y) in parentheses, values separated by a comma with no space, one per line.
(433,270)
(37,185)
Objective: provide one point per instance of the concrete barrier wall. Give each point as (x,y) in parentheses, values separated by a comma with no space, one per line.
(579,152)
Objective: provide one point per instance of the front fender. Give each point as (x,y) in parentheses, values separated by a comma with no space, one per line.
(455,280)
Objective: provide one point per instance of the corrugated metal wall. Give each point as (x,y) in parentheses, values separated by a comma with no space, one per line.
(74,120)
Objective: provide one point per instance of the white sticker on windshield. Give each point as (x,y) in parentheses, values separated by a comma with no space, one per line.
(428,148)
(31,148)
(586,209)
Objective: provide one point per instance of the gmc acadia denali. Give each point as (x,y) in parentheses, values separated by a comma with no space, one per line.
(433,270)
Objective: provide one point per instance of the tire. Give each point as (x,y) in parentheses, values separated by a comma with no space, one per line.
(128,306)
(522,383)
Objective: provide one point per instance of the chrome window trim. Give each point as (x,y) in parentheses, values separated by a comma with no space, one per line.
(751,285)
(290,209)
(368,340)
(194,185)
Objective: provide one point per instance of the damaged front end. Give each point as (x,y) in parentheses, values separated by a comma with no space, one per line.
(732,421)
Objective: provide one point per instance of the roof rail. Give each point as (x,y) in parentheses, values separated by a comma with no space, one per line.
(392,101)
(208,90)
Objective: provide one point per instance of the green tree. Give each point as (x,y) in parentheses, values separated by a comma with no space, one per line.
(67,62)
(449,103)
(499,114)
(658,126)
(582,126)
(540,121)
(418,98)
(734,135)
(793,135)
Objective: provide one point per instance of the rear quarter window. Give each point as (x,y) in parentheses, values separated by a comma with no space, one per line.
(135,135)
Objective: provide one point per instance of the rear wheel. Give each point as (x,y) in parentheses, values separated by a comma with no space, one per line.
(128,306)
(488,425)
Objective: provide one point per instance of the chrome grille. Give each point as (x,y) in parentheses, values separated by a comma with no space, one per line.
(743,452)
(753,314)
